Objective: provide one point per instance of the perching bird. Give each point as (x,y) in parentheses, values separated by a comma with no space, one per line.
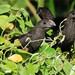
(68,29)
(38,32)
(45,13)
(69,32)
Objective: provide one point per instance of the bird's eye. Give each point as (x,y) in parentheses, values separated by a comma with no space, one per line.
(44,22)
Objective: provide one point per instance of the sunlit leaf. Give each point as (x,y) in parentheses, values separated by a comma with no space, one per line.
(15,33)
(15,58)
(32,68)
(11,18)
(50,32)
(24,12)
(3,22)
(7,42)
(4,9)
(1,73)
(2,40)
(67,68)
(29,23)
(9,65)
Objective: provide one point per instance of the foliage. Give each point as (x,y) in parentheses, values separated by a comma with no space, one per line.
(46,61)
(56,6)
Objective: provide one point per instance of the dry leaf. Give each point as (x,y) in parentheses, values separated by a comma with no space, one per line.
(15,58)
(11,26)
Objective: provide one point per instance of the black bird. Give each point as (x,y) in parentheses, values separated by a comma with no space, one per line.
(68,29)
(45,13)
(38,32)
(69,32)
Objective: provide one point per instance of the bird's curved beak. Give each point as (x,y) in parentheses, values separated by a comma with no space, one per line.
(52,23)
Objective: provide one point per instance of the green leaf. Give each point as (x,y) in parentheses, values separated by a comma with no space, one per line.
(4,9)
(22,24)
(24,54)
(29,23)
(1,53)
(2,40)
(21,3)
(43,47)
(9,65)
(32,68)
(57,65)
(1,73)
(72,70)
(26,15)
(17,43)
(15,8)
(44,70)
(72,6)
(47,50)
(50,51)
(24,12)
(50,32)
(4,22)
(52,7)
(22,70)
(17,32)
(11,18)
(2,46)
(67,67)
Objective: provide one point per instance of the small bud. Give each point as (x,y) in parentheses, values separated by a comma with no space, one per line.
(25,49)
(17,43)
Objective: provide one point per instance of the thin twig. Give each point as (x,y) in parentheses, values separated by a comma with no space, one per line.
(33,10)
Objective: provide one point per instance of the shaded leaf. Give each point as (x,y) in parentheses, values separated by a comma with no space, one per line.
(1,53)
(24,54)
(22,24)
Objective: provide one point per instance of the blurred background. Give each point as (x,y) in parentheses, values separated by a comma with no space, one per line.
(59,8)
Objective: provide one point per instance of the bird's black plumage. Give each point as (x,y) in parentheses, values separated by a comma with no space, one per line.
(69,32)
(38,32)
(45,13)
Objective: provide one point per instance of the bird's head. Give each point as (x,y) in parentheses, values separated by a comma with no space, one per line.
(72,15)
(46,24)
(45,13)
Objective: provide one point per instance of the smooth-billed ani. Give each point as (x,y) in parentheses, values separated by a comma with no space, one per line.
(38,32)
(68,30)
